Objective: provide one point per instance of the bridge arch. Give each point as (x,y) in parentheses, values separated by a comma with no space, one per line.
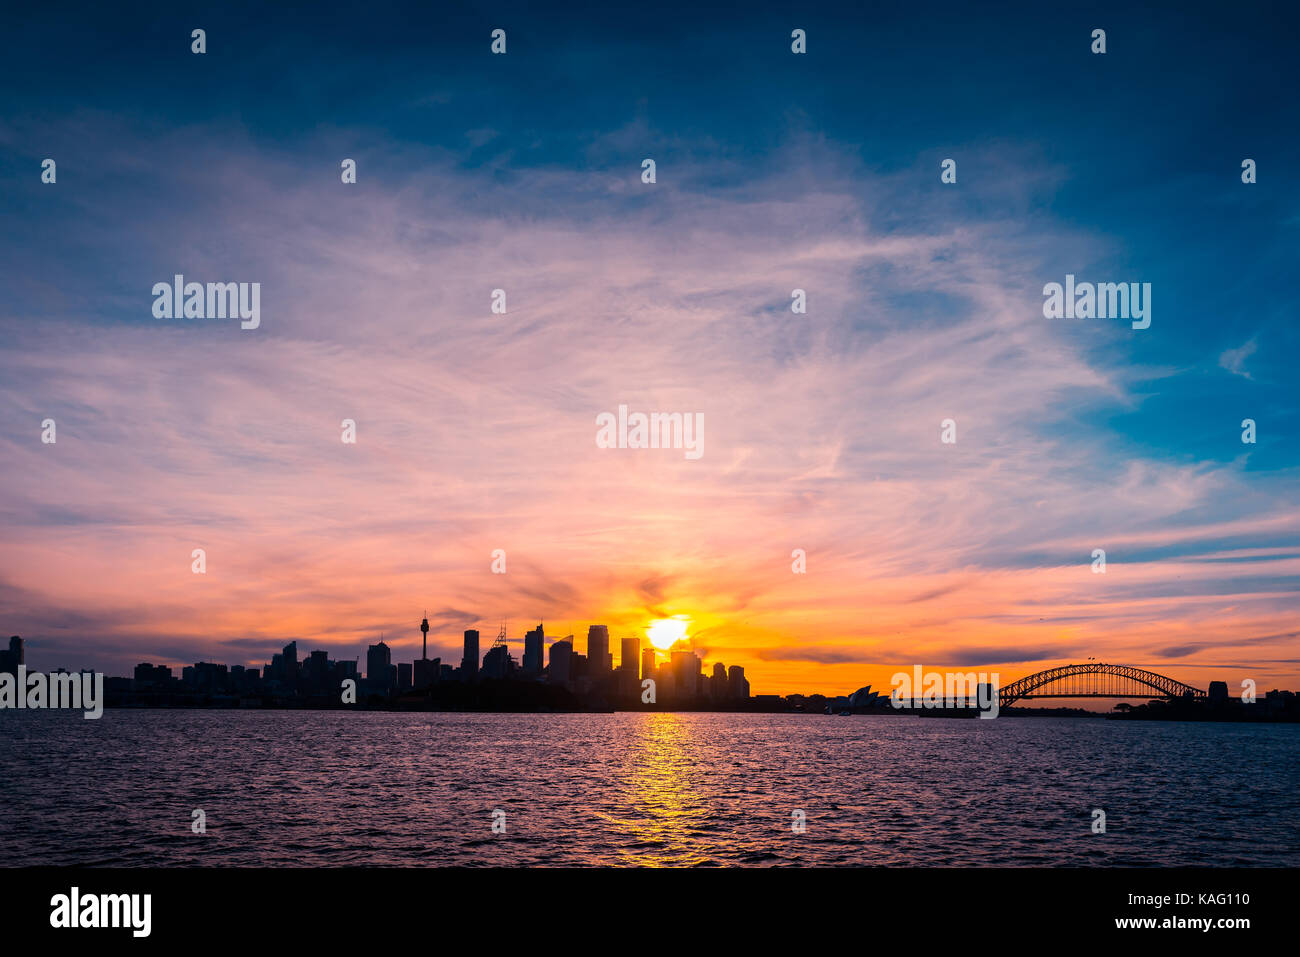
(1094,680)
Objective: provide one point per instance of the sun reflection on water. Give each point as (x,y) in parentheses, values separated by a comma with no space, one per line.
(665,812)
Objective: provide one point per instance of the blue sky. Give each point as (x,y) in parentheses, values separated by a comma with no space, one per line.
(1141,146)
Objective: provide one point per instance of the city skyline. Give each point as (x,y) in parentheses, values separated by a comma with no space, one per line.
(538,652)
(592,681)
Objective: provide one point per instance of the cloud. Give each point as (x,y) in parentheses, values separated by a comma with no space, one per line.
(476,430)
(821,654)
(1234,360)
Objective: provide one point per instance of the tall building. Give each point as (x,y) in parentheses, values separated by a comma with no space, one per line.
(404,677)
(629,667)
(737,685)
(378,660)
(146,675)
(469,661)
(561,661)
(534,642)
(629,660)
(427,672)
(686,673)
(648,662)
(497,663)
(15,656)
(290,658)
(316,671)
(718,683)
(598,655)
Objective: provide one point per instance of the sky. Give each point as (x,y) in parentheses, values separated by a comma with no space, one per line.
(822,431)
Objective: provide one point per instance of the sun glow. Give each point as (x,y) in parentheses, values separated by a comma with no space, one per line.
(666,632)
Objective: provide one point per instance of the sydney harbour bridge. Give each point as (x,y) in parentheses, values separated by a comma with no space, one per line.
(1095,680)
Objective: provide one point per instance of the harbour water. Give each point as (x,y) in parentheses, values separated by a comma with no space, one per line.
(302,788)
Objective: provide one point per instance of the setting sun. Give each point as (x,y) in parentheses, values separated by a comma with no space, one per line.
(666,632)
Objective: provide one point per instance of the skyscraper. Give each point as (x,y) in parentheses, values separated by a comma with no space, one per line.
(291,661)
(718,683)
(469,662)
(648,659)
(15,656)
(629,660)
(315,670)
(427,672)
(497,663)
(598,651)
(378,660)
(561,661)
(534,642)
(686,673)
(737,685)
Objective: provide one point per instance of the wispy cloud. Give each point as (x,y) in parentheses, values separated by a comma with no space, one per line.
(1234,360)
(476,431)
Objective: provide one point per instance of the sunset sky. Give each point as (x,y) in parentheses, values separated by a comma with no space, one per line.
(477,431)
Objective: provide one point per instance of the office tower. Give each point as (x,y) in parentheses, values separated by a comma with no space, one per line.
(316,669)
(428,671)
(628,661)
(291,661)
(629,667)
(403,677)
(469,661)
(665,685)
(561,661)
(686,673)
(148,676)
(718,683)
(737,686)
(497,663)
(534,642)
(378,659)
(15,656)
(597,650)
(648,662)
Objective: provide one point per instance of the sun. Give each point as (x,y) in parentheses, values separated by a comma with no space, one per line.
(666,632)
